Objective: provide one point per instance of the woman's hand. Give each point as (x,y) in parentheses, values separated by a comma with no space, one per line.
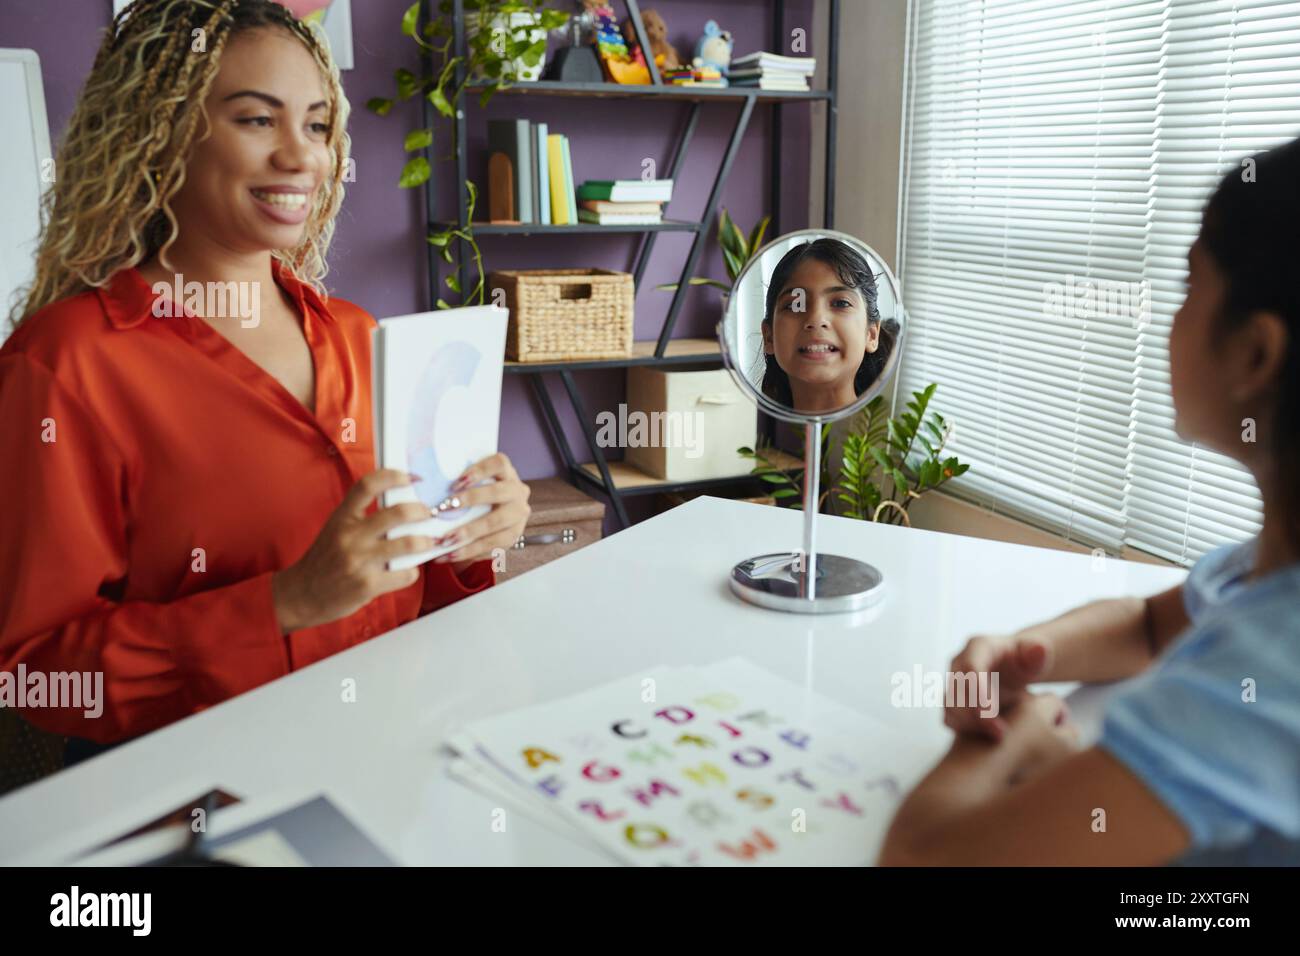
(500,527)
(1039,734)
(1017,661)
(346,566)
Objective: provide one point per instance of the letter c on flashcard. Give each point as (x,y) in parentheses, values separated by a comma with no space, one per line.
(626,735)
(430,444)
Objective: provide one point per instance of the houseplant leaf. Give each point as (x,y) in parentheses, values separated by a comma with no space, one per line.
(756,236)
(414,173)
(418,139)
(409,19)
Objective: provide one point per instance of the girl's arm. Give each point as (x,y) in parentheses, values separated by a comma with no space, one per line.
(1101,641)
(1030,800)
(1108,640)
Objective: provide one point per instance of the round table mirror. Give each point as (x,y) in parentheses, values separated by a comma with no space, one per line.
(813,331)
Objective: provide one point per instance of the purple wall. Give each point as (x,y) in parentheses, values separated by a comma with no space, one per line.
(378,259)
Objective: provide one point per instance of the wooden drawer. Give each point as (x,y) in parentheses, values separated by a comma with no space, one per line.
(563,520)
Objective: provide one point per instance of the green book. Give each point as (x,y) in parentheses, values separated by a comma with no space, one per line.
(627,190)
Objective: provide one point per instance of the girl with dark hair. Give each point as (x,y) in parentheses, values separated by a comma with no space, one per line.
(823,340)
(1195,763)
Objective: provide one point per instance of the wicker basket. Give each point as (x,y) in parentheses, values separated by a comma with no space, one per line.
(563,314)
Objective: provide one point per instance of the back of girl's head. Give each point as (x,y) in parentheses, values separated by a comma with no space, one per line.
(123,155)
(852,270)
(1251,230)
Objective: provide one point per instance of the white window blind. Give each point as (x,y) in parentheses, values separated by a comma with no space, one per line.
(1056,163)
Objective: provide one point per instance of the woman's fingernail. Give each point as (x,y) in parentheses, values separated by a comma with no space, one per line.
(461,483)
(413,477)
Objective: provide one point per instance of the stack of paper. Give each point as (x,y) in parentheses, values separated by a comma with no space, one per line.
(718,765)
(771,71)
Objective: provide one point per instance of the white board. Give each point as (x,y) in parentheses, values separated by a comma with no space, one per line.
(26,167)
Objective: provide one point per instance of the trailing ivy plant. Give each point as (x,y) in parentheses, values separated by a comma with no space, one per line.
(489,65)
(886,463)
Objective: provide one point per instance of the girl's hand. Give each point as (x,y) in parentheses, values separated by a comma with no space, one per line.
(1039,734)
(346,566)
(1017,661)
(500,527)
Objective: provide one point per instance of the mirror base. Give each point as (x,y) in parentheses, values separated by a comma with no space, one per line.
(843,584)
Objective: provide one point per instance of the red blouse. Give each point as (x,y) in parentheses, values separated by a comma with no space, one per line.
(154,477)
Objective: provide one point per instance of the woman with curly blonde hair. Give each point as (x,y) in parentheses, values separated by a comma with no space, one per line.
(185,414)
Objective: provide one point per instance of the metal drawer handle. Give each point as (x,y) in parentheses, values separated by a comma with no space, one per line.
(567,536)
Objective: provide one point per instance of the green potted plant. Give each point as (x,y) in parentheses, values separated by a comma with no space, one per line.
(886,464)
(494,59)
(737,250)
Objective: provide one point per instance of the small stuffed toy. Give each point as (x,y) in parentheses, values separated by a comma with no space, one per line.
(713,51)
(656,30)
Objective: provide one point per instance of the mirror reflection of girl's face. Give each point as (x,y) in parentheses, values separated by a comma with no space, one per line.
(819,335)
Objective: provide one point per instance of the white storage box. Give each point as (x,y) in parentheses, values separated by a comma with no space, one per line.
(687,425)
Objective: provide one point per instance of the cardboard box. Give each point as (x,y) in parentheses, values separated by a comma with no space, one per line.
(686,425)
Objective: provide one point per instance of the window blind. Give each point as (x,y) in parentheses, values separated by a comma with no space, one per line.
(1056,161)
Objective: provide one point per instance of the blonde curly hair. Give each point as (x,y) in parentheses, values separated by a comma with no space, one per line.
(125,151)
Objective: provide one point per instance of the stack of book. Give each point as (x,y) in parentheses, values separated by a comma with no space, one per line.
(694,76)
(771,71)
(623,202)
(540,181)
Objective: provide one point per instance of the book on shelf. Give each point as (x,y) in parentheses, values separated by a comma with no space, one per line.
(570,200)
(556,148)
(795,85)
(541,173)
(773,62)
(619,218)
(512,138)
(628,208)
(627,190)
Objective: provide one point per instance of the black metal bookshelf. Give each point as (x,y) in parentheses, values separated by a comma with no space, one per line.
(613,479)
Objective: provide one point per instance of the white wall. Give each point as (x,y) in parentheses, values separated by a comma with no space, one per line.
(869,119)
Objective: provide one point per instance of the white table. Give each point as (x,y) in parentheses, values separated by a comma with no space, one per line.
(655,594)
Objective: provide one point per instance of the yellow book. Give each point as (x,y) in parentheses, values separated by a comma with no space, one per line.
(555,160)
